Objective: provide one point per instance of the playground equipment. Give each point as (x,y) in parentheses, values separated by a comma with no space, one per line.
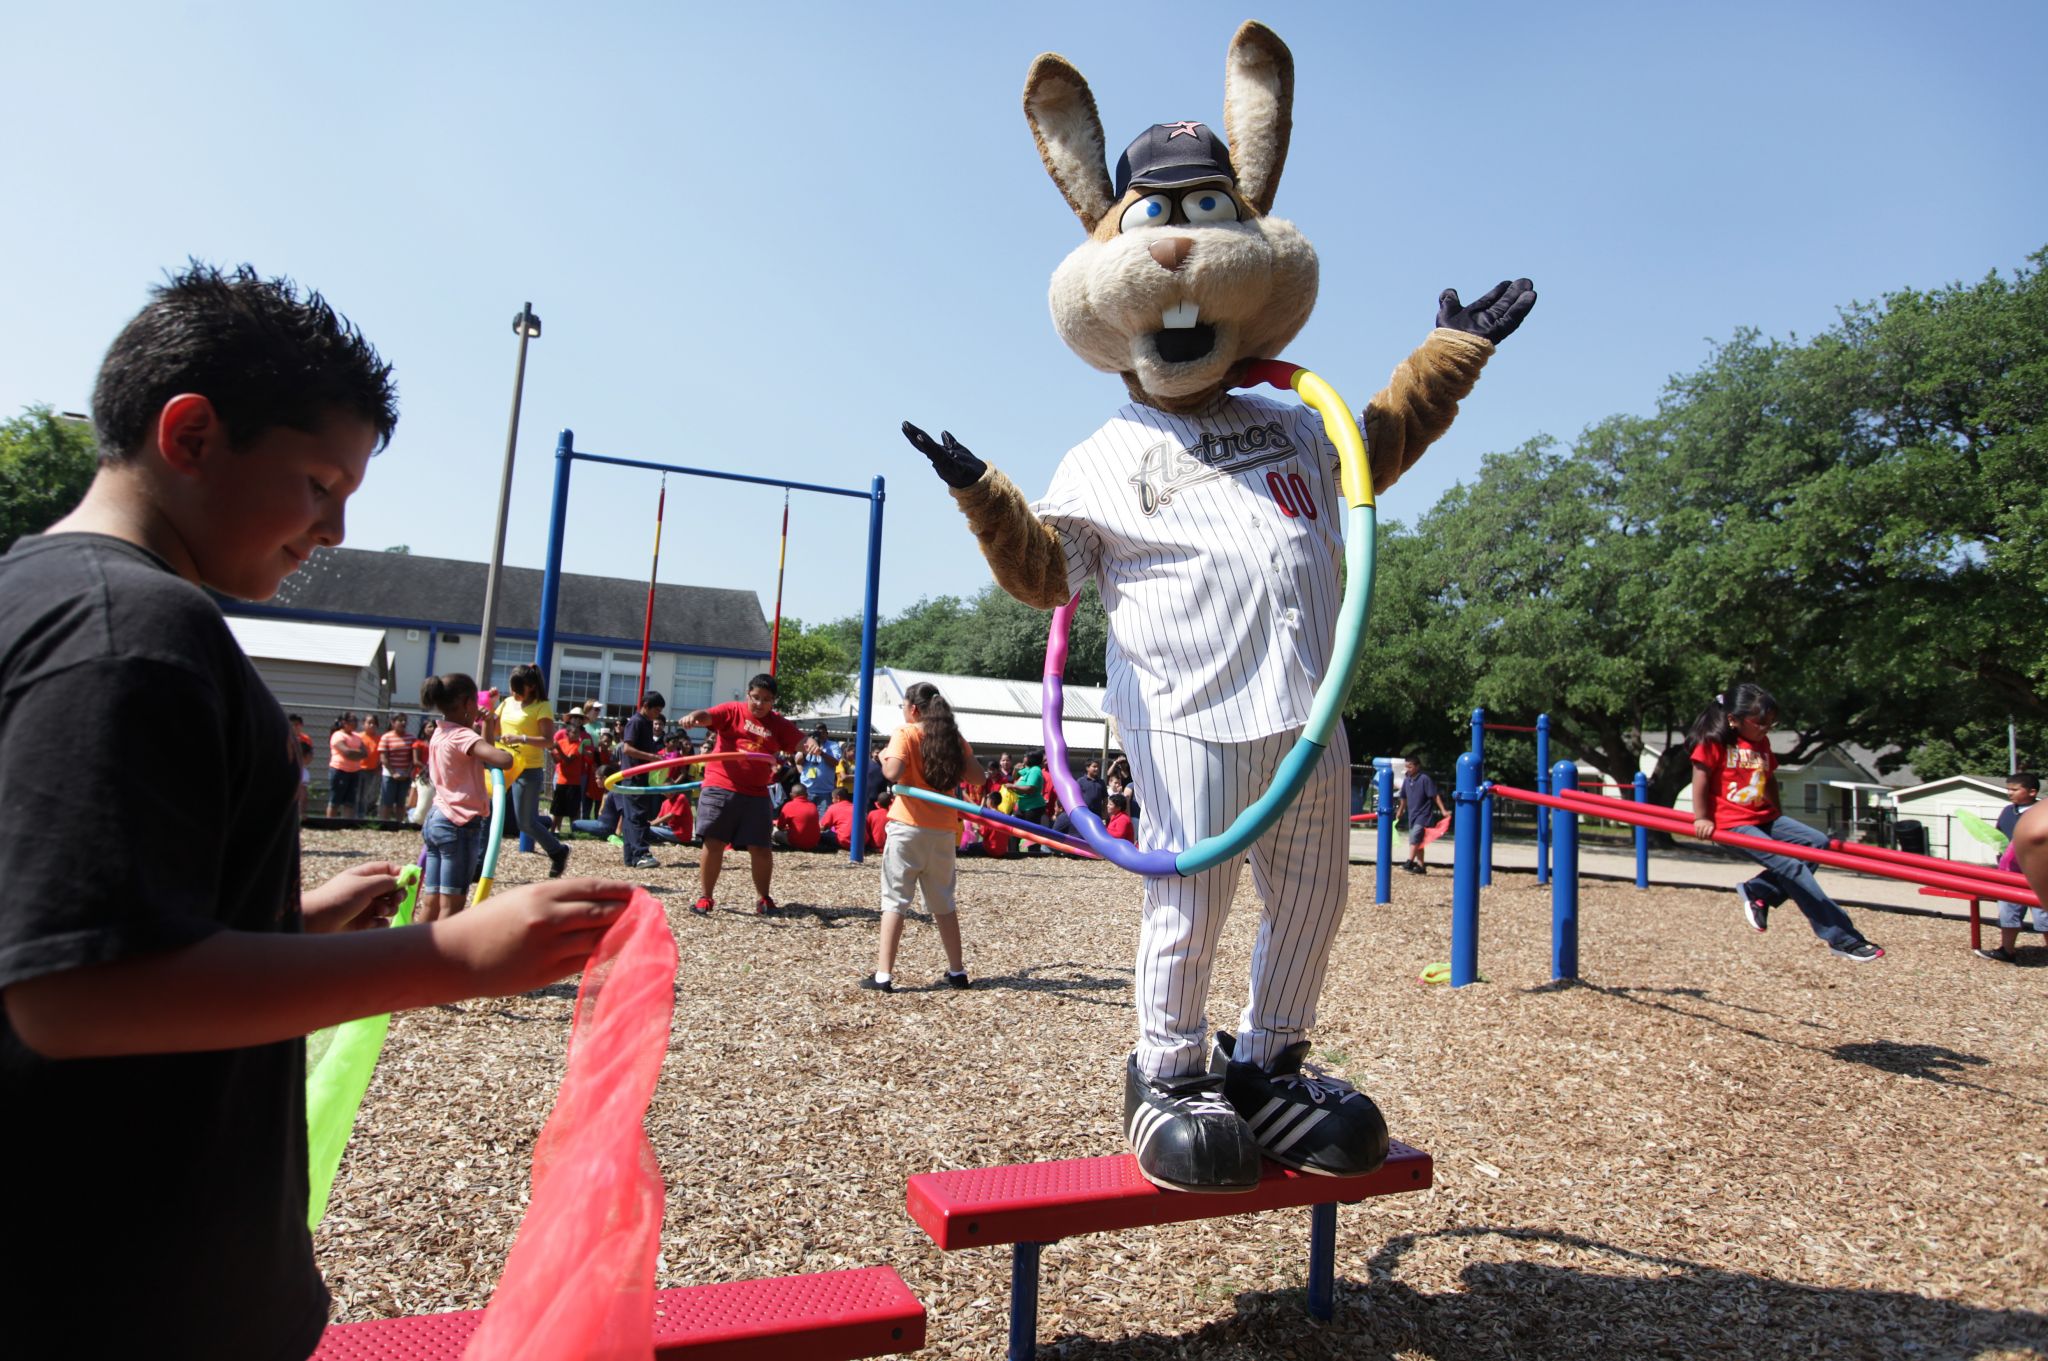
(1032,1204)
(1360,552)
(567,456)
(1566,804)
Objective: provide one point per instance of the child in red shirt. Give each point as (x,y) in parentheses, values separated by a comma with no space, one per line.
(878,821)
(1119,823)
(1735,789)
(796,822)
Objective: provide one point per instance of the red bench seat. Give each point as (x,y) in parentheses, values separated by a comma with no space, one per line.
(1044,1202)
(829,1316)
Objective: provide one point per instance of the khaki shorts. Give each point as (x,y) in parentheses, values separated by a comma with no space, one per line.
(919,857)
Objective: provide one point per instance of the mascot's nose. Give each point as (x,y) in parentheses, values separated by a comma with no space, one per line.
(1172,251)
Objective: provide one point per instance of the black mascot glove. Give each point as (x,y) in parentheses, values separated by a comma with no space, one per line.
(1494,316)
(949,456)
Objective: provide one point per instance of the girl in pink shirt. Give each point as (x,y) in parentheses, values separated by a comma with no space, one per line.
(455,826)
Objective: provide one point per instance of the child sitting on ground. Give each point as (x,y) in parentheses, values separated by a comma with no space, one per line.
(156,985)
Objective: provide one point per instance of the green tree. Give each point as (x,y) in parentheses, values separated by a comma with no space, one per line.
(1856,522)
(811,665)
(46,463)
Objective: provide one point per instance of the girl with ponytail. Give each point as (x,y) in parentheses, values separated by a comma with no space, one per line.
(1735,789)
(927,752)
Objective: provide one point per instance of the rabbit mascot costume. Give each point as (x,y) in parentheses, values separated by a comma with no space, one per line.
(1209,519)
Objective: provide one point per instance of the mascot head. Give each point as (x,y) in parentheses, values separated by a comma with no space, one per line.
(1184,272)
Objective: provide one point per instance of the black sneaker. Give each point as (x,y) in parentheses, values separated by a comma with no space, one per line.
(1755,910)
(874,984)
(1308,1121)
(557,862)
(1185,1135)
(957,981)
(1862,952)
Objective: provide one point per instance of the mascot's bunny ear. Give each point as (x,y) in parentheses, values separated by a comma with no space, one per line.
(1061,110)
(1258,111)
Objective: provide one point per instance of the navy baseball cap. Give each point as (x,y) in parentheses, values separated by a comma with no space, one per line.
(1167,154)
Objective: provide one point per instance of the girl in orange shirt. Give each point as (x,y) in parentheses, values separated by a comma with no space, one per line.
(927,752)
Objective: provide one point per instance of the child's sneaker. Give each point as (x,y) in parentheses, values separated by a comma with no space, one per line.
(875,984)
(645,862)
(557,862)
(957,981)
(702,907)
(1862,952)
(763,906)
(1754,910)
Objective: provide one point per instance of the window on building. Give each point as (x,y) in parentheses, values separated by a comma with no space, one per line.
(1813,798)
(622,690)
(694,676)
(504,656)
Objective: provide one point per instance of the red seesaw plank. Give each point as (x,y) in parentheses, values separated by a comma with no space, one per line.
(829,1316)
(1045,1202)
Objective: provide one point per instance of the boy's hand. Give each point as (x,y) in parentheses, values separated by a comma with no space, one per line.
(359,898)
(528,937)
(1703,828)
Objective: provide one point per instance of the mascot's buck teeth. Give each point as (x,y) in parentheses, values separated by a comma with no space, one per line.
(1180,316)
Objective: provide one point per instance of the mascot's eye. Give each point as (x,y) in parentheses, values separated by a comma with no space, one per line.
(1154,210)
(1209,205)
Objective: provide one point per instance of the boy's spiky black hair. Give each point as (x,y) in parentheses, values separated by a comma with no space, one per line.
(261,353)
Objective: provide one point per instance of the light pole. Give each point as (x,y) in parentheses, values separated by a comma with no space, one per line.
(527,326)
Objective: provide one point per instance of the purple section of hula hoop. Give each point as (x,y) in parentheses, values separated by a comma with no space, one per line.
(1114,849)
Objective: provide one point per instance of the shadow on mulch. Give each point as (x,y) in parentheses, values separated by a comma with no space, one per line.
(1929,1062)
(1527,1310)
(1073,984)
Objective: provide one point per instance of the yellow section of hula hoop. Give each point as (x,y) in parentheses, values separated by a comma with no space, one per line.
(1354,471)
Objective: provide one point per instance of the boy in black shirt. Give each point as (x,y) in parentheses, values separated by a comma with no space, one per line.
(157,974)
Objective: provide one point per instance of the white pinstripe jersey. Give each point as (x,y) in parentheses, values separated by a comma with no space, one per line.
(1216,542)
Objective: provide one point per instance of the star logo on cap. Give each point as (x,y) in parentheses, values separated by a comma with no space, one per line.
(1182,129)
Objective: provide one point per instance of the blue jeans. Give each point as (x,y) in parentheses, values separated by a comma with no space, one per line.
(1784,877)
(526,805)
(454,854)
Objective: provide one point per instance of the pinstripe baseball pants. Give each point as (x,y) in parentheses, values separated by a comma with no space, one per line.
(1189,789)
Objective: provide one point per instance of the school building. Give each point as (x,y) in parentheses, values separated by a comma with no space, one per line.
(428,613)
(995,716)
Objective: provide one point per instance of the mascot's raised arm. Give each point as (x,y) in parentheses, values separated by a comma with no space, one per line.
(1208,519)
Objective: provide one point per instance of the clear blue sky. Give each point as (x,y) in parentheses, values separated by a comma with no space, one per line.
(761,236)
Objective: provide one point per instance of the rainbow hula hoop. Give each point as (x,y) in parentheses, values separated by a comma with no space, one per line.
(1360,552)
(497,836)
(611,781)
(1030,831)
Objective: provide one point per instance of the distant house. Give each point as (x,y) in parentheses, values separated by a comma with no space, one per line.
(1937,806)
(707,640)
(318,667)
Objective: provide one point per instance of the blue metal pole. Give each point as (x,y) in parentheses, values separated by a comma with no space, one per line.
(551,577)
(1642,834)
(1023,1298)
(1564,890)
(1543,787)
(1465,876)
(863,723)
(1485,808)
(1383,874)
(1322,1261)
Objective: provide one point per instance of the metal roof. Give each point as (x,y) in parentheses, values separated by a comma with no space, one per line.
(991,712)
(286,640)
(412,587)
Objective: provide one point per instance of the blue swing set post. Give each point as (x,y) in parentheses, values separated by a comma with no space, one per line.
(567,454)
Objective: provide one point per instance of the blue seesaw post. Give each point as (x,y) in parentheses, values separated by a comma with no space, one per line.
(1642,834)
(1383,873)
(1486,807)
(1465,876)
(1564,888)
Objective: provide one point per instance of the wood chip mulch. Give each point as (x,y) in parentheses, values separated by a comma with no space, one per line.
(1718,1144)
